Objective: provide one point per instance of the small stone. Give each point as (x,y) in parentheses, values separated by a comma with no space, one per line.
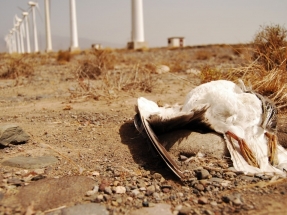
(130,199)
(140,196)
(15,181)
(202,200)
(185,210)
(155,210)
(150,190)
(204,182)
(225,183)
(237,201)
(92,192)
(213,203)
(161,69)
(100,198)
(208,212)
(115,203)
(156,196)
(95,173)
(230,174)
(135,192)
(218,180)
(108,190)
(183,158)
(104,184)
(39,171)
(157,176)
(202,174)
(199,187)
(120,189)
(162,180)
(145,203)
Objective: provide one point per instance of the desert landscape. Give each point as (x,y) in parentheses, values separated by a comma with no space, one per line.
(83,154)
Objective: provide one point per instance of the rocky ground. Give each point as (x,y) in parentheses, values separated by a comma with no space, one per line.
(84,155)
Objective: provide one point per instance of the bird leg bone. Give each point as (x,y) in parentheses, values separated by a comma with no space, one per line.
(246,152)
(272,148)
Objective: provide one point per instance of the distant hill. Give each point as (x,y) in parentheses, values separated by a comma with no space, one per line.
(63,43)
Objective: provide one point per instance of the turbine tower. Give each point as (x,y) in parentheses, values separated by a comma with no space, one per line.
(48,27)
(20,31)
(32,5)
(8,43)
(137,26)
(17,30)
(25,18)
(74,31)
(14,45)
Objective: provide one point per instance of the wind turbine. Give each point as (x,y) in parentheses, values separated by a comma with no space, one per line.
(74,30)
(7,39)
(21,33)
(14,45)
(32,5)
(25,18)
(48,26)
(16,27)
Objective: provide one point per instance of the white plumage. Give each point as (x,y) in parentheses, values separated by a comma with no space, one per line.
(228,109)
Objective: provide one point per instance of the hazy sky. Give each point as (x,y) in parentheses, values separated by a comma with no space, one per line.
(109,21)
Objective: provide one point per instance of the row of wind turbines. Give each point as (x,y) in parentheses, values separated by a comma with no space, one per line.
(18,38)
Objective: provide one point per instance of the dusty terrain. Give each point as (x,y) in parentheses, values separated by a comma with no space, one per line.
(94,137)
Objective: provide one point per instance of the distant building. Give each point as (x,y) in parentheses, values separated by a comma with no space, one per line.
(175,41)
(97,46)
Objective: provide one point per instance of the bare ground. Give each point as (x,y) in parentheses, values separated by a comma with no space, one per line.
(88,135)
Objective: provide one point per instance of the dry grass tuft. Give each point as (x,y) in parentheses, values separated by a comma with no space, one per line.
(203,55)
(139,78)
(63,57)
(15,66)
(210,74)
(270,47)
(95,63)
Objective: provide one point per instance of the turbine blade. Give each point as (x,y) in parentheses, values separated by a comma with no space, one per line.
(38,11)
(21,9)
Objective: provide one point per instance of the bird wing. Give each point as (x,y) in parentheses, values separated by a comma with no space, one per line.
(160,149)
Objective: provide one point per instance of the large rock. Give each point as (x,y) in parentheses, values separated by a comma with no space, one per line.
(12,134)
(161,208)
(83,209)
(30,162)
(50,193)
(190,143)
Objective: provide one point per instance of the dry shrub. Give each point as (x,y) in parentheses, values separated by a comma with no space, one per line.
(96,63)
(177,61)
(203,55)
(15,66)
(210,74)
(139,78)
(270,47)
(63,56)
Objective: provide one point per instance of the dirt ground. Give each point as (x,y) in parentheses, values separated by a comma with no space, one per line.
(87,134)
